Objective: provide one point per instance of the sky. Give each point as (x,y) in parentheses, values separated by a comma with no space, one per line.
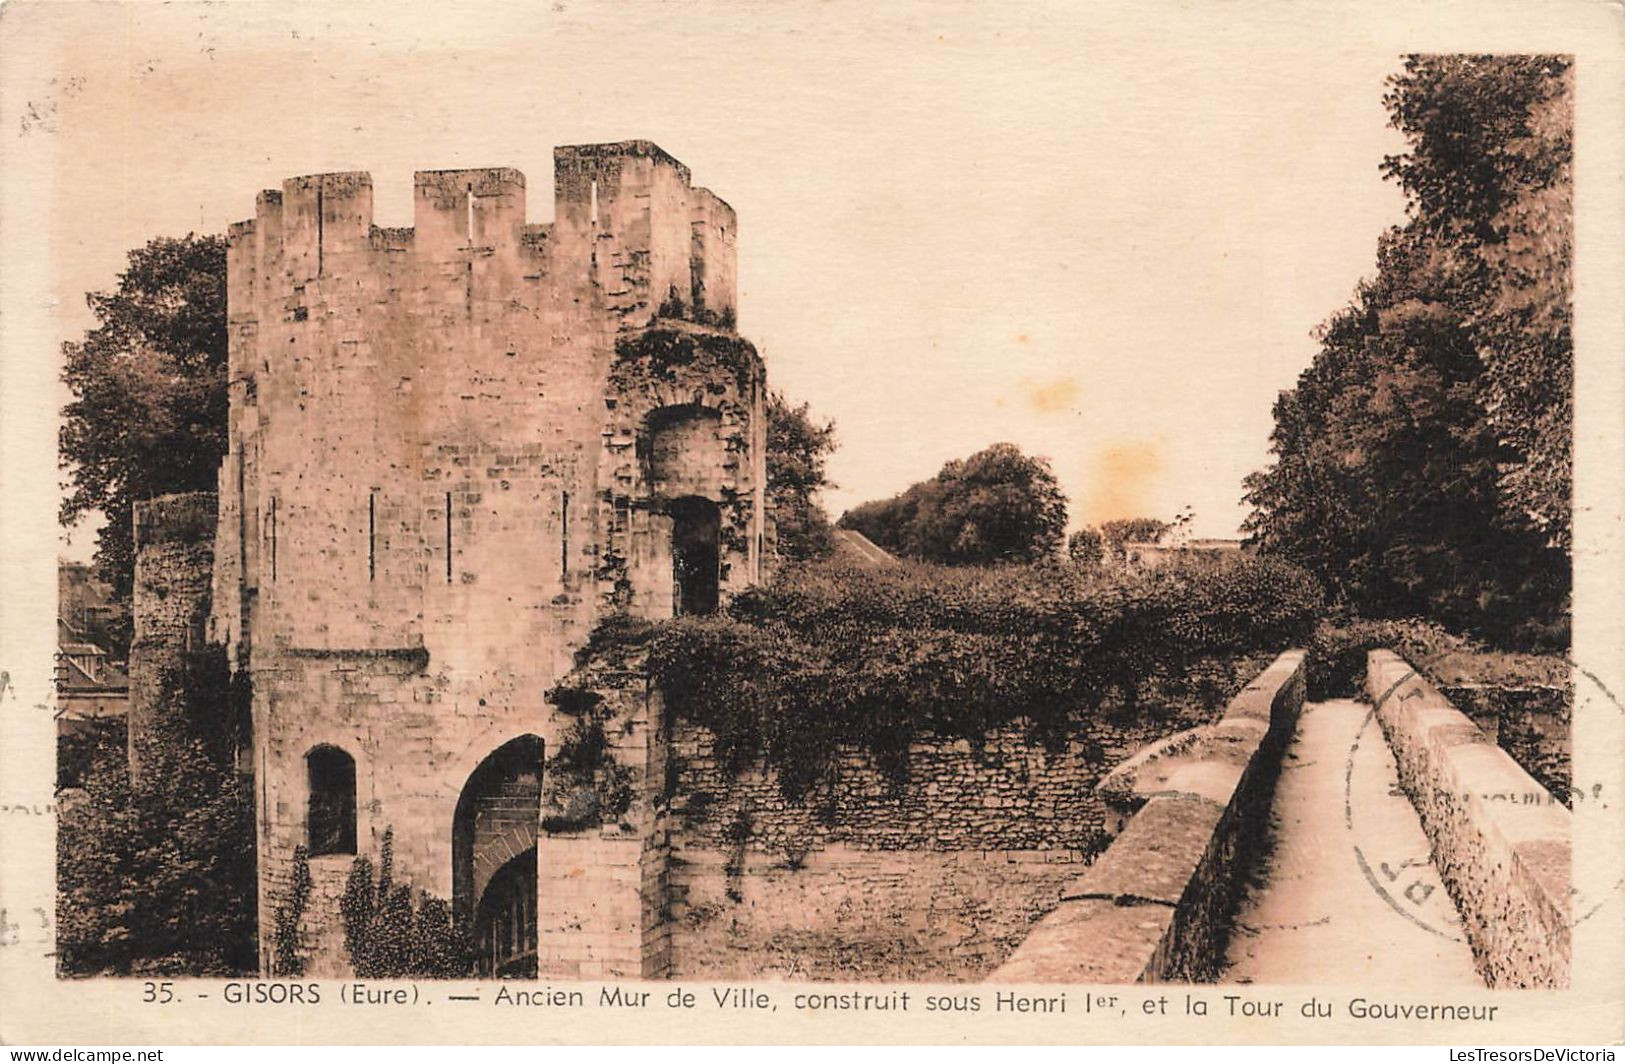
(1107,240)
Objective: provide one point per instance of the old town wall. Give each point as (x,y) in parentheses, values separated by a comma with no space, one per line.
(936,877)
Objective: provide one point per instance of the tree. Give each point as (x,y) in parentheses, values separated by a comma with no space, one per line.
(1421,464)
(1490,181)
(996,506)
(1087,548)
(1121,530)
(148,415)
(797,448)
(157,876)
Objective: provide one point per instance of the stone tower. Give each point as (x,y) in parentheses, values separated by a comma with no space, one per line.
(453,450)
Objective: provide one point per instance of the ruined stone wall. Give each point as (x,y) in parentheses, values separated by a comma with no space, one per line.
(438,477)
(174,558)
(938,879)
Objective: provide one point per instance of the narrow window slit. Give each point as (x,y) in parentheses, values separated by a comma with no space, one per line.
(448,537)
(468,222)
(372,536)
(564,550)
(320,221)
(273,539)
(595,201)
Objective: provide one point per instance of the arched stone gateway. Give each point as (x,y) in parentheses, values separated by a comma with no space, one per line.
(493,842)
(505,923)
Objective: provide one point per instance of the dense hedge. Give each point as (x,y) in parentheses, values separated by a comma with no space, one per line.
(830,656)
(1335,666)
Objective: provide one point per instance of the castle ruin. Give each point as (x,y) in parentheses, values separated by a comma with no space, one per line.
(454,452)
(453,449)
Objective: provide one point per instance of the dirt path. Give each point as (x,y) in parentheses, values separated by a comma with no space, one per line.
(1347,892)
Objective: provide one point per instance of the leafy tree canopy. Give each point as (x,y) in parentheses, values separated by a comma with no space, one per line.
(148,414)
(798,447)
(996,506)
(1422,462)
(1123,530)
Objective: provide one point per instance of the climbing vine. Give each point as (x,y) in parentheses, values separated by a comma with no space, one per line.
(583,786)
(386,935)
(829,658)
(667,353)
(287,961)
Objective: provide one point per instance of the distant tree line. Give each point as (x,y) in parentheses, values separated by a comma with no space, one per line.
(1422,463)
(996,506)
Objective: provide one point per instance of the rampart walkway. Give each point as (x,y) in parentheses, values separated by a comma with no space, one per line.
(1294,843)
(1346,891)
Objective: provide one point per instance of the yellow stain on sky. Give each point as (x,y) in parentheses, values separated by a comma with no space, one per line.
(1121,481)
(1056,396)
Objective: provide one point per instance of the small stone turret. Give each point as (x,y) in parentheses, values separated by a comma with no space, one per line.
(174,570)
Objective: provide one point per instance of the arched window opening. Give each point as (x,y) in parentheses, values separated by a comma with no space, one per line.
(684,451)
(331,816)
(696,555)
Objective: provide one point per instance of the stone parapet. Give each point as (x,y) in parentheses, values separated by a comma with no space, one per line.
(1157,904)
(1500,840)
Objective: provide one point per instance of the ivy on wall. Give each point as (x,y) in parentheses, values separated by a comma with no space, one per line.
(387,935)
(830,657)
(287,962)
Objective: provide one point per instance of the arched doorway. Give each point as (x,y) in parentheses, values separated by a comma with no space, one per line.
(493,843)
(505,922)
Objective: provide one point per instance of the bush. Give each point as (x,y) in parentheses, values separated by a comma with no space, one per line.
(157,876)
(830,656)
(387,937)
(1335,667)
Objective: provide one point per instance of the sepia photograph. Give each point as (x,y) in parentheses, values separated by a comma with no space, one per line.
(937,512)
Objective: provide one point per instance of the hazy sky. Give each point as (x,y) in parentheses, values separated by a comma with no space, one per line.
(1106,240)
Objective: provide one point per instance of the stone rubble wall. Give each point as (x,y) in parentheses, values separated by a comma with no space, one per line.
(174,557)
(1500,840)
(853,914)
(1157,904)
(938,879)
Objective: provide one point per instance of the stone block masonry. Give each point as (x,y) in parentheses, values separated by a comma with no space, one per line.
(1501,841)
(170,599)
(453,449)
(936,878)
